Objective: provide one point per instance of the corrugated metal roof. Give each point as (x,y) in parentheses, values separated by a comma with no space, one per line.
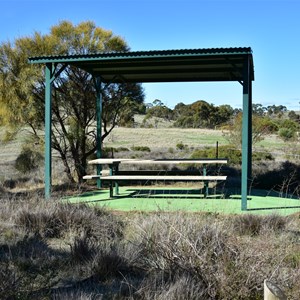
(138,54)
(212,64)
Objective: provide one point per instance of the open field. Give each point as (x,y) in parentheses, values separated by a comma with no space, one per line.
(162,142)
(170,137)
(164,139)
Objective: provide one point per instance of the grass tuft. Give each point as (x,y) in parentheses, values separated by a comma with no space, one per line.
(62,251)
(250,224)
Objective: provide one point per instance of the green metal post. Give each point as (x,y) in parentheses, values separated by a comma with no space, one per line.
(99,126)
(246,132)
(48,117)
(250,132)
(205,181)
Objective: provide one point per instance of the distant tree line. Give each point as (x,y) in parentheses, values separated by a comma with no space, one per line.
(199,114)
(272,119)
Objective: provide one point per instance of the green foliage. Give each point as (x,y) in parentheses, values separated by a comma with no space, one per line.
(121,149)
(262,156)
(9,135)
(269,125)
(276,110)
(229,152)
(291,124)
(260,127)
(28,160)
(286,134)
(201,114)
(132,107)
(156,112)
(22,91)
(159,111)
(258,109)
(141,148)
(109,151)
(171,150)
(293,116)
(180,146)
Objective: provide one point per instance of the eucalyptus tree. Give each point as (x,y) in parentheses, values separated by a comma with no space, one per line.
(74,97)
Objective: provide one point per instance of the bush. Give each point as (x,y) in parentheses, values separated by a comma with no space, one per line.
(289,124)
(181,146)
(141,148)
(54,221)
(232,154)
(28,160)
(261,156)
(286,134)
(121,149)
(171,150)
(250,224)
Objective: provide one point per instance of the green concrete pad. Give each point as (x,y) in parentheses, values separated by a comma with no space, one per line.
(190,200)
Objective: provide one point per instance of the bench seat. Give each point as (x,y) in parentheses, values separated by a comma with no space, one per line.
(161,177)
(95,176)
(86,177)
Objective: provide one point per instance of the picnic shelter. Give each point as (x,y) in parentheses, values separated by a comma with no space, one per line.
(185,65)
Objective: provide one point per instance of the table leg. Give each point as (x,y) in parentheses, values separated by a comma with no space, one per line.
(111,183)
(111,190)
(205,182)
(116,183)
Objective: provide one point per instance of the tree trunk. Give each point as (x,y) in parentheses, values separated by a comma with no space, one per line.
(68,170)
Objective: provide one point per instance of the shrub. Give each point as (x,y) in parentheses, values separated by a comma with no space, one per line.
(261,156)
(106,152)
(55,220)
(286,123)
(28,160)
(260,127)
(82,250)
(108,264)
(121,149)
(181,146)
(171,150)
(141,148)
(286,134)
(275,222)
(232,154)
(250,224)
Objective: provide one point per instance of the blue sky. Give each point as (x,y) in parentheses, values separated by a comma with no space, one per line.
(270,27)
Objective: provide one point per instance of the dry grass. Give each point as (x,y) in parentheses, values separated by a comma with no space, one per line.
(51,250)
(159,138)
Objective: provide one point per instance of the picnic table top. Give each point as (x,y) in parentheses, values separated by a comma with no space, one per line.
(109,161)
